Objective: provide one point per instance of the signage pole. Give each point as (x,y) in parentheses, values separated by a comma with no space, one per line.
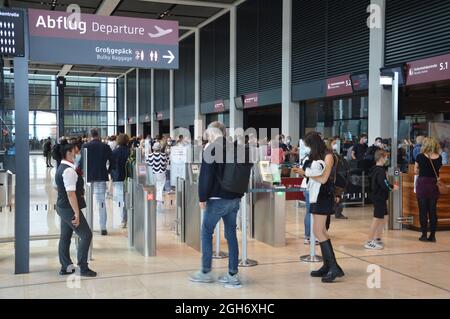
(138,131)
(394,148)
(22,211)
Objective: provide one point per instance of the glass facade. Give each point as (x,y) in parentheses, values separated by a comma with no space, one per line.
(88,102)
(346,117)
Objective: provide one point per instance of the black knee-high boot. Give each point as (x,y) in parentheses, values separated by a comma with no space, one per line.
(334,271)
(324,269)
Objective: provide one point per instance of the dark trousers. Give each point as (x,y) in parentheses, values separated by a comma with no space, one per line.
(49,159)
(427,210)
(84,233)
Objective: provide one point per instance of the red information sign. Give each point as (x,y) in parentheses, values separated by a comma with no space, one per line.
(251,100)
(293,183)
(340,85)
(219,106)
(429,70)
(150,197)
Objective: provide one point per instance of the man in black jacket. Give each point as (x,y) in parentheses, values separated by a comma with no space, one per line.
(217,204)
(99,155)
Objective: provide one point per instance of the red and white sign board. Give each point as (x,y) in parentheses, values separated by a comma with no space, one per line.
(340,85)
(251,100)
(429,70)
(219,106)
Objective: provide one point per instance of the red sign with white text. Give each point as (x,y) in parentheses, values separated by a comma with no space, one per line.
(251,100)
(219,106)
(340,85)
(429,70)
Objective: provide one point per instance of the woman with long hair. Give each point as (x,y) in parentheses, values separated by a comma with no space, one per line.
(323,208)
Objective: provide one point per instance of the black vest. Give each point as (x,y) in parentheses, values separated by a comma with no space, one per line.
(63,200)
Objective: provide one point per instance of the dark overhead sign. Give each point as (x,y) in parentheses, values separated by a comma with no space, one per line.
(12,33)
(429,70)
(59,37)
(360,82)
(340,85)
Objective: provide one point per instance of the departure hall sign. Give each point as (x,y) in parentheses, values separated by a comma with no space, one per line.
(429,70)
(59,37)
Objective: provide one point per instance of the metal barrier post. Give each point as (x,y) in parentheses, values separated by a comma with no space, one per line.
(245,262)
(129,206)
(363,188)
(89,200)
(312,257)
(217,253)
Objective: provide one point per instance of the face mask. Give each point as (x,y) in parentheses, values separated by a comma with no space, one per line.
(307,150)
(77,158)
(365,141)
(335,147)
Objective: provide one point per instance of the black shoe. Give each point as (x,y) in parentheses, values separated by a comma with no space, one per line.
(104,232)
(64,272)
(334,271)
(423,237)
(340,216)
(323,270)
(88,273)
(432,238)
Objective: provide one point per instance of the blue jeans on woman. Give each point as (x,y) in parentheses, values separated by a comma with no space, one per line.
(307,220)
(227,210)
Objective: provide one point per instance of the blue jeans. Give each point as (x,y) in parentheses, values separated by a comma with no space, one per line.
(227,210)
(99,189)
(307,220)
(118,197)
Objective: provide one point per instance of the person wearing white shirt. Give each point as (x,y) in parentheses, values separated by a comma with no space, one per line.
(70,186)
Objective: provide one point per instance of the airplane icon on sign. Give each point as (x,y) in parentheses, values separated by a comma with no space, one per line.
(161,32)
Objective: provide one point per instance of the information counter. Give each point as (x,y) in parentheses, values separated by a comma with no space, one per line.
(409,200)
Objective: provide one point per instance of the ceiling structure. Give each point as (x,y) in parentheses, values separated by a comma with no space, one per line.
(189,13)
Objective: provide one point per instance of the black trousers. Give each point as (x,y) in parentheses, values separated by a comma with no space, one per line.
(84,233)
(427,211)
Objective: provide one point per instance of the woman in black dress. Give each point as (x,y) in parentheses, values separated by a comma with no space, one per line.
(324,206)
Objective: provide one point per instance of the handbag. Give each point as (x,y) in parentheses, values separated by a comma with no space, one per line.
(442,187)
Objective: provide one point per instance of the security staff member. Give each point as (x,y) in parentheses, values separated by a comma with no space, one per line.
(68,206)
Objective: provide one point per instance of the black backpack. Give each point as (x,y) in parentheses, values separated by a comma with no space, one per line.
(236,170)
(342,173)
(56,152)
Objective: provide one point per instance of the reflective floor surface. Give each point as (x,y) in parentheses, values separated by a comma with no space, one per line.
(407,268)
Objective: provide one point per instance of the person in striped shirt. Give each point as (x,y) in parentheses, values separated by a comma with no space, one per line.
(158,163)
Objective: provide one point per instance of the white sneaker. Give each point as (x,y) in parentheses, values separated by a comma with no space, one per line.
(373,245)
(379,241)
(307,241)
(202,277)
(230,281)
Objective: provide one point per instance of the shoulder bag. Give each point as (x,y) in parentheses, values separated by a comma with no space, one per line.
(440,184)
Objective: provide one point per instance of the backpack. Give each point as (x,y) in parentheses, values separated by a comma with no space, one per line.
(129,166)
(56,153)
(342,175)
(370,154)
(236,175)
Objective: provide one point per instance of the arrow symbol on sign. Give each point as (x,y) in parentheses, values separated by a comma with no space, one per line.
(171,57)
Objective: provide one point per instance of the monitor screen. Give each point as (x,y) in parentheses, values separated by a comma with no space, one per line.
(360,82)
(401,73)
